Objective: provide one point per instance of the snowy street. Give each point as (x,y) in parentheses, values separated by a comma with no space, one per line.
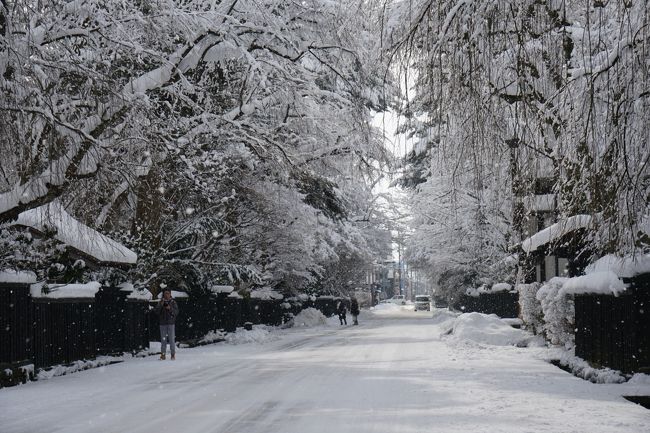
(394,373)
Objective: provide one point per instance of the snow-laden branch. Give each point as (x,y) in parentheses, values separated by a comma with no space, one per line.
(610,60)
(52,182)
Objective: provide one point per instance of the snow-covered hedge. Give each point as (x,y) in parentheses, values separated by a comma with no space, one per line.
(559,312)
(530,307)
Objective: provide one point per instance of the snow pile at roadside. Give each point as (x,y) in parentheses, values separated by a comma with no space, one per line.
(581,368)
(60,370)
(212,336)
(387,306)
(257,335)
(309,317)
(442,316)
(639,379)
(487,329)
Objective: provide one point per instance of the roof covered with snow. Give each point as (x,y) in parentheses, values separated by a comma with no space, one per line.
(555,232)
(76,234)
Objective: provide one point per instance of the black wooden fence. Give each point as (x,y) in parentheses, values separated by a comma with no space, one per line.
(614,331)
(64,331)
(46,331)
(503,304)
(121,323)
(15,323)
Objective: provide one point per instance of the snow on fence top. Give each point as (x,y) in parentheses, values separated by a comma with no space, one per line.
(623,267)
(555,232)
(604,275)
(602,283)
(20,277)
(222,289)
(65,291)
(142,294)
(501,287)
(76,234)
(175,294)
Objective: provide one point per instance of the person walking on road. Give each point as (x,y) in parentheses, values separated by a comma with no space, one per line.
(167,310)
(340,309)
(354,310)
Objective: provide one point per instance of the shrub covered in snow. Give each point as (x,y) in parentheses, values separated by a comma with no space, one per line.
(259,334)
(559,313)
(530,307)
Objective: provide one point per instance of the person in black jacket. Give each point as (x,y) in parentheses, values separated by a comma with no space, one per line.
(340,309)
(167,310)
(354,310)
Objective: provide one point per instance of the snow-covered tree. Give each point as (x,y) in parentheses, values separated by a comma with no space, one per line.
(228,139)
(506,96)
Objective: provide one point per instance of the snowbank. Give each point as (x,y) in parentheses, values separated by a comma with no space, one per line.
(64,291)
(213,336)
(386,307)
(258,335)
(309,317)
(488,329)
(581,368)
(60,370)
(440,316)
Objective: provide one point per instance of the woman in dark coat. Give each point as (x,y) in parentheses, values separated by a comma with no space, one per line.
(340,309)
(354,310)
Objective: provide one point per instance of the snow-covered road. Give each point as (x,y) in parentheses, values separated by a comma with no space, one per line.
(393,373)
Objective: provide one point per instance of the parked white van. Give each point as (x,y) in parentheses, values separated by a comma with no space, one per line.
(422,302)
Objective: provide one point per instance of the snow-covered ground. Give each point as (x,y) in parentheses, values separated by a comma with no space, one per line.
(399,371)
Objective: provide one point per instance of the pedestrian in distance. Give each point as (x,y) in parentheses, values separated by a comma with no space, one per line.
(167,310)
(341,310)
(354,310)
